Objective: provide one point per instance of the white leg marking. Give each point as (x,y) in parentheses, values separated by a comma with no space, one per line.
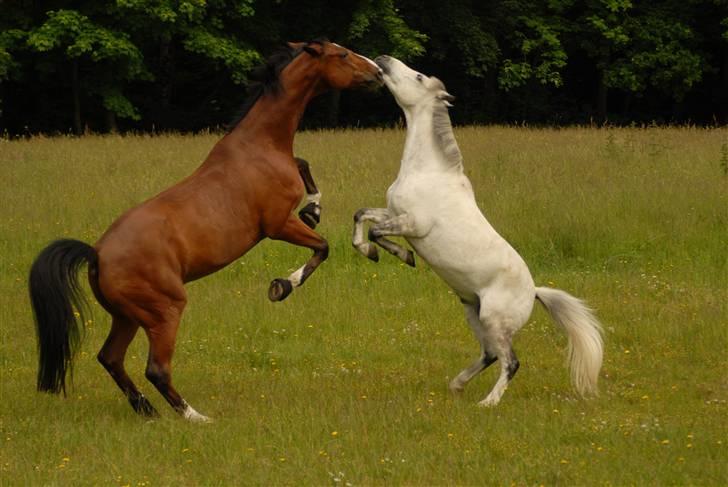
(295,278)
(313,198)
(192,415)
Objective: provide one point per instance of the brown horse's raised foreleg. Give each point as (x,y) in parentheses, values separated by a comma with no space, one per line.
(296,232)
(112,356)
(311,213)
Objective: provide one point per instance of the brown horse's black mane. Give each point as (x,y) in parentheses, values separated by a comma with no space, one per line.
(265,78)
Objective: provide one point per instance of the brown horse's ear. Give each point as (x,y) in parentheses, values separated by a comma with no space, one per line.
(315,49)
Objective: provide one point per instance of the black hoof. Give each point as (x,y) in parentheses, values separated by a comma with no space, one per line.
(410,260)
(143,407)
(279,289)
(310,215)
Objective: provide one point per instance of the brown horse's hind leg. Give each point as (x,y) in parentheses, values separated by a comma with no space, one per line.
(112,356)
(161,328)
(297,233)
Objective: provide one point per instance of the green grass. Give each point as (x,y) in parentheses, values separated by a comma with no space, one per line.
(346,381)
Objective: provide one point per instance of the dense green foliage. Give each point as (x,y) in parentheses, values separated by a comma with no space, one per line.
(345,382)
(182,64)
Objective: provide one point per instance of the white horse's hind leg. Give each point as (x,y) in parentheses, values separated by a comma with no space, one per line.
(485,359)
(509,366)
(502,348)
(499,327)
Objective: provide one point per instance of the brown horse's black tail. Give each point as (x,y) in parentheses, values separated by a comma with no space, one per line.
(58,305)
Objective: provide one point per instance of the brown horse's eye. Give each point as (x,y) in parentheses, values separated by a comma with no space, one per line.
(344,54)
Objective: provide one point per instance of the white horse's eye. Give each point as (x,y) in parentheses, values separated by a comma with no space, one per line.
(419,78)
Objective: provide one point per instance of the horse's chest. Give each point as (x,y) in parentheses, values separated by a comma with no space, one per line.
(404,195)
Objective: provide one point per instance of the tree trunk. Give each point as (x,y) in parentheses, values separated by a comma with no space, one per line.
(76,93)
(111,122)
(601,101)
(166,68)
(723,101)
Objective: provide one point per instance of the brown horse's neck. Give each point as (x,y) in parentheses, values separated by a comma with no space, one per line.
(274,118)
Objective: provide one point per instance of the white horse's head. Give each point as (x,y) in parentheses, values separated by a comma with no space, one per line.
(410,88)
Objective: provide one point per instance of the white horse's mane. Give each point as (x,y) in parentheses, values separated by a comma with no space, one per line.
(443,134)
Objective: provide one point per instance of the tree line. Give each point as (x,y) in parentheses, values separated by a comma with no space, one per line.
(155,65)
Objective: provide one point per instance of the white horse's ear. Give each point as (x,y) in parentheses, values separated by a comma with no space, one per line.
(295,46)
(446,98)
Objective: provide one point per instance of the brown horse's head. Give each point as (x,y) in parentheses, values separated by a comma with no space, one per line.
(341,68)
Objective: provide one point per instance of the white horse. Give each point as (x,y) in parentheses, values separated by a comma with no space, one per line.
(431,204)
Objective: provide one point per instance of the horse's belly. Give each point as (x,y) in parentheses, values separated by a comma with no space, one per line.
(470,259)
(452,267)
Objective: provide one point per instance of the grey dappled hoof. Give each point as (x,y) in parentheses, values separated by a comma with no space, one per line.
(373,253)
(410,258)
(279,289)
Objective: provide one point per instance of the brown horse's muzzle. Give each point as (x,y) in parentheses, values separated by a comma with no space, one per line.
(371,74)
(374,82)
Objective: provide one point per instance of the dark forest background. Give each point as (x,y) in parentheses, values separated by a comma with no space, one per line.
(145,65)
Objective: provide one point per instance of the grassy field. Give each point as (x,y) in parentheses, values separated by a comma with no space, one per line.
(345,382)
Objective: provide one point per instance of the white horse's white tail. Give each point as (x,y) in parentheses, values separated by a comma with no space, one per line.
(585,336)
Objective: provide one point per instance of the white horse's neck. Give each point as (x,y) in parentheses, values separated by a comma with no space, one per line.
(430,144)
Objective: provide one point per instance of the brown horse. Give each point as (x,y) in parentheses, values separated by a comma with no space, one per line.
(244,191)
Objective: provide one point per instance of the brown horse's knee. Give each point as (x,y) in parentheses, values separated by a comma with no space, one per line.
(323,250)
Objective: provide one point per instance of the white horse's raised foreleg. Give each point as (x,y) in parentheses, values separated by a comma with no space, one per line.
(362,216)
(398,226)
(379,216)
